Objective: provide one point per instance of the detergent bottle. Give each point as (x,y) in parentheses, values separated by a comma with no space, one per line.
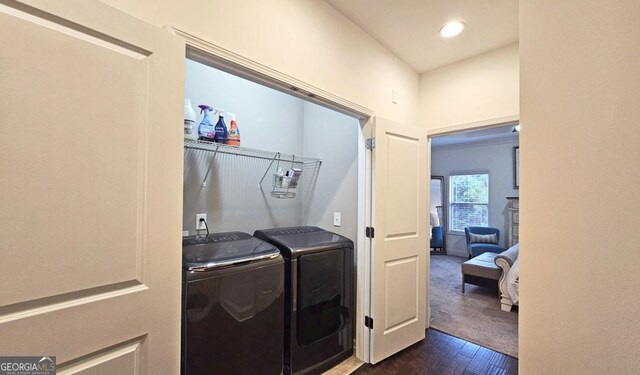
(234,132)
(206,129)
(190,131)
(221,128)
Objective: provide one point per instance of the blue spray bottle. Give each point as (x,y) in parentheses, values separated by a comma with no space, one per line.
(221,128)
(206,129)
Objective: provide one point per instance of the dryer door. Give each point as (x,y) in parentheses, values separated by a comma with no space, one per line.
(320,295)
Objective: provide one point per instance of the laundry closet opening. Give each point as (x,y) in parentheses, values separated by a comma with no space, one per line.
(278,132)
(282,167)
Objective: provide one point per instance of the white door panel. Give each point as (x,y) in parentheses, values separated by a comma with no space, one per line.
(401,308)
(74,161)
(122,359)
(91,193)
(402,185)
(398,302)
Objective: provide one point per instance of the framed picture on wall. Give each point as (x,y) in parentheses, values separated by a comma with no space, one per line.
(516,167)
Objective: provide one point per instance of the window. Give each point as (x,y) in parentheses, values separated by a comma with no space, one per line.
(468,201)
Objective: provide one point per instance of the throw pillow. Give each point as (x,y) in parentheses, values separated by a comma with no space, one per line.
(483,238)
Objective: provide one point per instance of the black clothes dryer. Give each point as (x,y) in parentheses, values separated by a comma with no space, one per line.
(319,297)
(233,305)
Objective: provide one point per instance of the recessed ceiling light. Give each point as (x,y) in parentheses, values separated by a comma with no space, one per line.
(451,29)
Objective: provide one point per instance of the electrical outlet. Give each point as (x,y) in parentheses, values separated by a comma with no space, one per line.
(337,219)
(199,224)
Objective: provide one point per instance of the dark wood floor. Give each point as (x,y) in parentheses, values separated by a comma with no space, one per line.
(443,354)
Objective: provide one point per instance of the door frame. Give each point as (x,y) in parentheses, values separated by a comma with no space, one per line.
(439,132)
(200,50)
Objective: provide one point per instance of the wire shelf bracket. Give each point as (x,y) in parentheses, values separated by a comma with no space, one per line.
(213,158)
(276,156)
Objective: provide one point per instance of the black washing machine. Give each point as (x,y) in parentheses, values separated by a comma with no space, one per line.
(319,297)
(233,305)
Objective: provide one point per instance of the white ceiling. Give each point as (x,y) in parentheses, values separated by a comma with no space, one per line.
(411,28)
(482,135)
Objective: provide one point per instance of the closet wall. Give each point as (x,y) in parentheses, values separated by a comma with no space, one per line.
(334,136)
(274,121)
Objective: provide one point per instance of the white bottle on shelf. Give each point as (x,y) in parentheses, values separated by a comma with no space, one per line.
(190,129)
(279,177)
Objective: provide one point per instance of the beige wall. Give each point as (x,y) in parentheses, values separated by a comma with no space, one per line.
(580,173)
(480,88)
(306,39)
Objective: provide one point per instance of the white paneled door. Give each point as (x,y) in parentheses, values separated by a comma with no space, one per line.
(399,251)
(90,188)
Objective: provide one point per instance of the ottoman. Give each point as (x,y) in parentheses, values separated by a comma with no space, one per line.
(482,271)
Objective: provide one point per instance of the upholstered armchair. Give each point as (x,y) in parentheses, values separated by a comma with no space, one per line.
(481,240)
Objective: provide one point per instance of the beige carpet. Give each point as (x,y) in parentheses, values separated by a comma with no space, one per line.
(473,316)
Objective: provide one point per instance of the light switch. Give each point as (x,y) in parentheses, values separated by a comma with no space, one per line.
(337,219)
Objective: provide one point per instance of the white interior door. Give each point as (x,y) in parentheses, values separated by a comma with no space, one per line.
(91,188)
(399,251)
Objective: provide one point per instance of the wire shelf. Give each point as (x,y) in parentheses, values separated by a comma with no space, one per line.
(249,152)
(272,156)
